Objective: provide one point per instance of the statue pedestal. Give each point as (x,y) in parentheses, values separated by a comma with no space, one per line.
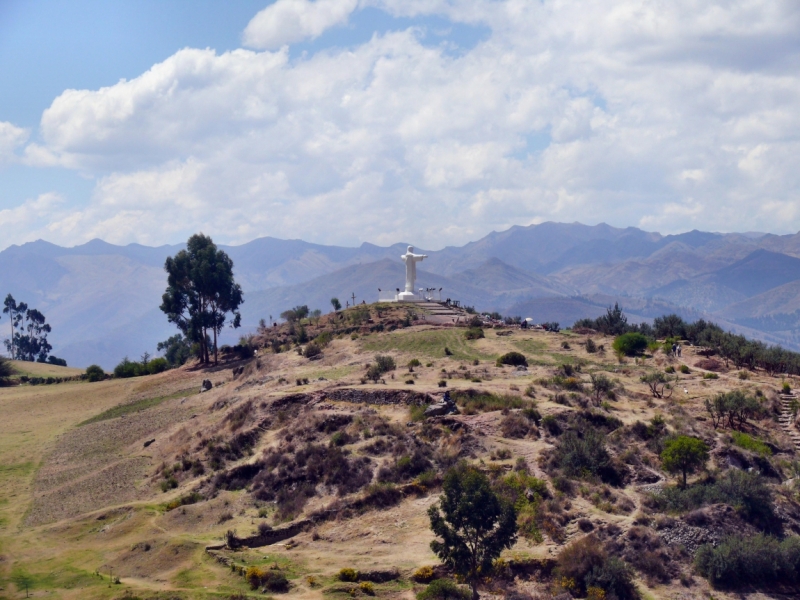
(408,297)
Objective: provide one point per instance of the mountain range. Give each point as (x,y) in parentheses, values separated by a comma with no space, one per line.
(102,300)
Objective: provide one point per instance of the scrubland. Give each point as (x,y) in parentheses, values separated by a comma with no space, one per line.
(297,468)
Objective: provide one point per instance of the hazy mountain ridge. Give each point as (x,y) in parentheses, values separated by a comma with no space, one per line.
(102,299)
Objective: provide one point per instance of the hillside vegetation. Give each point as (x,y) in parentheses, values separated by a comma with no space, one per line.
(310,472)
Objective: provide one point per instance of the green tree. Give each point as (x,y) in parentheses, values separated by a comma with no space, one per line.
(298,313)
(477,525)
(95,373)
(337,306)
(176,349)
(201,291)
(684,454)
(16,313)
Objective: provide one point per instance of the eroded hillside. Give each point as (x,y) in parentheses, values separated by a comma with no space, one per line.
(302,466)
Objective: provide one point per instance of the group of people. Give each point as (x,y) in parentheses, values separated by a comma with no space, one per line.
(676,350)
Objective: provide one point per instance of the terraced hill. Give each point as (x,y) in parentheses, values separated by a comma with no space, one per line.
(304,466)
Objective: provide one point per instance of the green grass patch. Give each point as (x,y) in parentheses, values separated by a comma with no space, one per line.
(137,406)
(748,442)
(428,343)
(473,402)
(16,469)
(530,346)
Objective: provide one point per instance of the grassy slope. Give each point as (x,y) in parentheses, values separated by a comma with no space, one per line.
(34,369)
(61,557)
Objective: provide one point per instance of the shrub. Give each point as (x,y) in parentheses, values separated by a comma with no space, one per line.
(474,333)
(590,346)
(348,574)
(414,362)
(127,368)
(584,456)
(684,369)
(750,443)
(275,581)
(741,489)
(744,561)
(515,426)
(586,563)
(385,363)
(423,575)
(447,351)
(710,376)
(630,344)
(669,370)
(95,373)
(514,359)
(442,383)
(550,423)
(312,350)
(786,388)
(367,588)
(443,589)
(59,362)
(743,375)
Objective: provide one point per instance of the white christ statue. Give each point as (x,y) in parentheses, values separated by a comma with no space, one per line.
(411,261)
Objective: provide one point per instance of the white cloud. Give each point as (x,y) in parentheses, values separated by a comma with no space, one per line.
(289,21)
(11,138)
(676,115)
(32,219)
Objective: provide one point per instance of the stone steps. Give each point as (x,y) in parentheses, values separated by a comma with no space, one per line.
(786,419)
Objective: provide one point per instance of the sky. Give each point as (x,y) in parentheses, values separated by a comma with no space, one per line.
(428,121)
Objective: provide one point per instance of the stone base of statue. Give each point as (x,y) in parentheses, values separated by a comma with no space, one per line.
(408,297)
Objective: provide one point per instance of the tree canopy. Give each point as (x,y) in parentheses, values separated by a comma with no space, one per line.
(201,291)
(684,454)
(475,527)
(29,331)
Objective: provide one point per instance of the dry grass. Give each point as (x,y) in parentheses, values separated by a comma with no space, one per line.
(74,499)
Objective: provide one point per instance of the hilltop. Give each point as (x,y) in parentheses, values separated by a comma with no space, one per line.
(305,465)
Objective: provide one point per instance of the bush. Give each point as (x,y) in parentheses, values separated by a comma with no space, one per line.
(348,574)
(515,426)
(669,370)
(95,373)
(311,350)
(630,344)
(743,490)
(155,366)
(758,560)
(59,362)
(414,362)
(585,456)
(385,363)
(127,368)
(443,589)
(514,359)
(684,369)
(590,346)
(423,575)
(367,588)
(474,333)
(586,563)
(750,443)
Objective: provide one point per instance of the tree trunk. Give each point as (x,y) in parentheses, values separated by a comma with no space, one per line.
(215,346)
(474,585)
(684,478)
